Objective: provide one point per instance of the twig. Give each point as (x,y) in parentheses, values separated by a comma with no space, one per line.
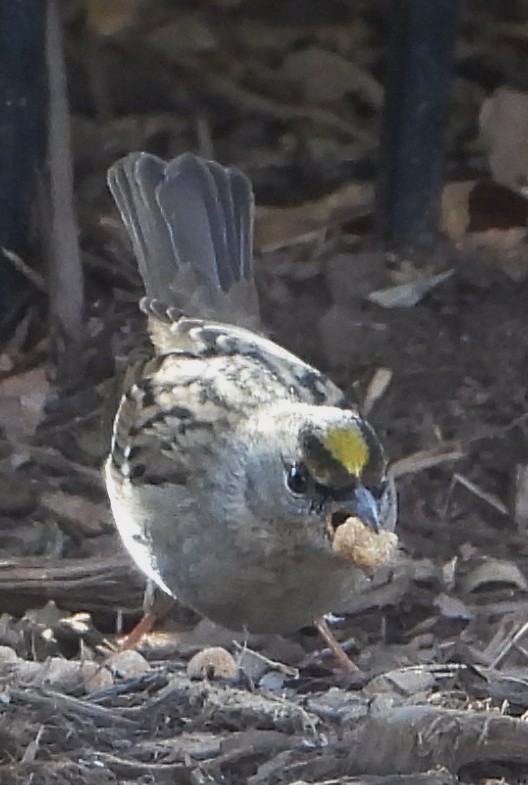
(512,643)
(58,703)
(218,84)
(489,498)
(452,450)
(48,456)
(426,459)
(22,267)
(206,81)
(100,584)
(30,753)
(377,388)
(66,277)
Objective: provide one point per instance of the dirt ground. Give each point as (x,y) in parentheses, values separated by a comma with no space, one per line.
(439,635)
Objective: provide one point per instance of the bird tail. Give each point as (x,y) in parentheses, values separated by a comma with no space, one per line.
(191,226)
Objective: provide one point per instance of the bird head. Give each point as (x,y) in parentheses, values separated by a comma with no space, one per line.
(318,462)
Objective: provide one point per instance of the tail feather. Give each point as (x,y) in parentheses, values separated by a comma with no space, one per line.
(191,226)
(243,204)
(133,181)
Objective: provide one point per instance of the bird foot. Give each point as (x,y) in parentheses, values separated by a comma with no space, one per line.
(142,628)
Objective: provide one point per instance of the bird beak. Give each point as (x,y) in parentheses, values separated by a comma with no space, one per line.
(361,504)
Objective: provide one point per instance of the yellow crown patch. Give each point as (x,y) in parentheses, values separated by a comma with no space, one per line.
(349,448)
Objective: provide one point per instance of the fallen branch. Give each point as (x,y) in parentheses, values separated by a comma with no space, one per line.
(96,585)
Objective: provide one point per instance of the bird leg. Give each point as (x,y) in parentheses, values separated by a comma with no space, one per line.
(156,604)
(142,628)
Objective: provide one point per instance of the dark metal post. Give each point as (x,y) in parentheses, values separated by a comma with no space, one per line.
(415,114)
(22,124)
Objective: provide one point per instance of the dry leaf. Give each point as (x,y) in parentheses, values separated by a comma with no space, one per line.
(279,227)
(454,209)
(407,295)
(91,518)
(187,32)
(327,76)
(22,399)
(476,206)
(520,500)
(501,249)
(495,206)
(504,132)
(493,572)
(109,19)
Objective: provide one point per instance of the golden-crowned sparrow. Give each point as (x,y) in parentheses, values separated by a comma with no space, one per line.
(232,461)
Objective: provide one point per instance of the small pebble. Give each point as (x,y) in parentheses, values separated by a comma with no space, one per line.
(273,681)
(7,654)
(128,664)
(214,662)
(60,674)
(95,677)
(29,672)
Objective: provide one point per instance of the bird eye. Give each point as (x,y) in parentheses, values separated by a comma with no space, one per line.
(297,479)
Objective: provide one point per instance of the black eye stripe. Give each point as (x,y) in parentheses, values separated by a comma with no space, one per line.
(378,490)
